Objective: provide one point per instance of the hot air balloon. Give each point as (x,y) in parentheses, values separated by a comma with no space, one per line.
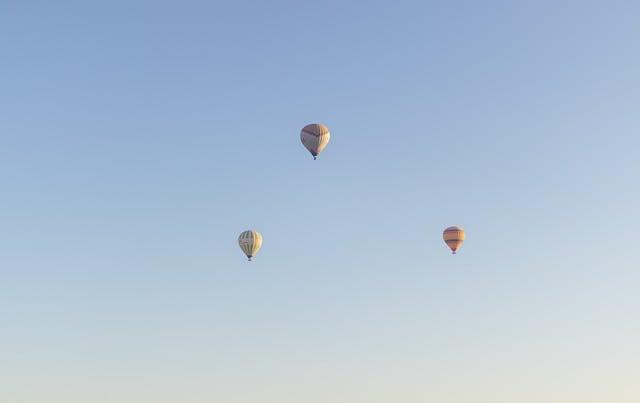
(453,237)
(315,138)
(250,243)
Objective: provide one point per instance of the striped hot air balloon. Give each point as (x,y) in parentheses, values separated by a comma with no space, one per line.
(250,242)
(453,237)
(315,138)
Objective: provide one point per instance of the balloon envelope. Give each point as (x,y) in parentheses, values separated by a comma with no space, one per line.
(454,237)
(250,242)
(315,138)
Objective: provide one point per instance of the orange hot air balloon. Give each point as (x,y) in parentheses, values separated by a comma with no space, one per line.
(453,237)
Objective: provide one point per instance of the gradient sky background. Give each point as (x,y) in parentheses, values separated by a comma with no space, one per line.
(139,138)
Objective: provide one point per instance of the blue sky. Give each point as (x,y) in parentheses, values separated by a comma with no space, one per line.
(138,139)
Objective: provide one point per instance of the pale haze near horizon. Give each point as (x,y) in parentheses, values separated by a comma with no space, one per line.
(138,139)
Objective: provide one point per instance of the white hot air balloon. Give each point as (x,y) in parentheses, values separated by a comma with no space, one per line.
(250,242)
(315,138)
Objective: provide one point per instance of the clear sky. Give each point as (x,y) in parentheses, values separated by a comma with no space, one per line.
(139,138)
